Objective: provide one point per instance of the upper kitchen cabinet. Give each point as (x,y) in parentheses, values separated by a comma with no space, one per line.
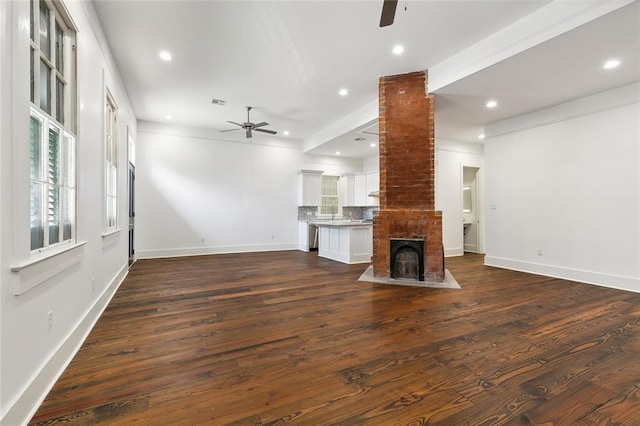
(309,187)
(358,186)
(360,190)
(373,187)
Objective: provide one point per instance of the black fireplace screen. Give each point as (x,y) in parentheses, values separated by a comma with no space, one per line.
(407,259)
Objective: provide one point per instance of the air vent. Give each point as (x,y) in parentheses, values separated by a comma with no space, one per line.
(360,139)
(371,130)
(220,102)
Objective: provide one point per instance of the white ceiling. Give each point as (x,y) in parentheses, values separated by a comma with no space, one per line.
(289,59)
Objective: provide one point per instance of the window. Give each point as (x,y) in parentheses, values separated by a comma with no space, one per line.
(329,195)
(52,150)
(111,163)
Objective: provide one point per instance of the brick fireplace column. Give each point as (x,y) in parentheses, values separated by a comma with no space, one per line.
(407,174)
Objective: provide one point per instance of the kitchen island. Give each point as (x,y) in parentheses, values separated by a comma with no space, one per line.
(345,241)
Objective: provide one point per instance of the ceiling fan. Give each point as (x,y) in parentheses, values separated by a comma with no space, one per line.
(248,126)
(388,12)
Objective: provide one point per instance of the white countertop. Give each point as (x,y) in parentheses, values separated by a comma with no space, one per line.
(341,222)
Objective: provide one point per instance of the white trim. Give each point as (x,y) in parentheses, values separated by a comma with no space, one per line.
(604,280)
(109,233)
(27,403)
(363,117)
(545,23)
(38,270)
(449,145)
(203,251)
(453,252)
(109,238)
(603,101)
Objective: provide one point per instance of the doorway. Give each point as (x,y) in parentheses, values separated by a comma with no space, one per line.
(132,212)
(471,209)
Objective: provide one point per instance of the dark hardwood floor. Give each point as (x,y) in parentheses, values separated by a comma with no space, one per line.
(273,338)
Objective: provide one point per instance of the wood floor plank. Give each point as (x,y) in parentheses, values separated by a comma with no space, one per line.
(287,337)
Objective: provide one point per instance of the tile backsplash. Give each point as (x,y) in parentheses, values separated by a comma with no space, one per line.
(349,213)
(359,213)
(307,213)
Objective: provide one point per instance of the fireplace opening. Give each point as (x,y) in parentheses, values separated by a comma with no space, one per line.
(407,259)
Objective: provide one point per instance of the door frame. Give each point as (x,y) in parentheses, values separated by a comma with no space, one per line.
(480,216)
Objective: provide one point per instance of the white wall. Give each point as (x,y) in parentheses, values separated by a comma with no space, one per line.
(451,157)
(236,196)
(31,356)
(566,181)
(371,163)
(5,177)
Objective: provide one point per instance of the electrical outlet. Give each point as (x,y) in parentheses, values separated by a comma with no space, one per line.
(539,252)
(49,320)
(273,237)
(202,239)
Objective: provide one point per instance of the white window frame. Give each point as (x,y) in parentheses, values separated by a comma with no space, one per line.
(53,219)
(329,201)
(111,153)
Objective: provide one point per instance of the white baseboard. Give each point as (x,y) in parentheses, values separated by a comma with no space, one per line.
(201,251)
(589,277)
(453,252)
(30,399)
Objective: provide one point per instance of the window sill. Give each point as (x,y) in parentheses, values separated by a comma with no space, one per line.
(110,237)
(35,271)
(110,232)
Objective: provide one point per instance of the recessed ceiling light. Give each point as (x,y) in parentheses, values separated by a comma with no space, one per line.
(492,104)
(286,133)
(398,49)
(337,152)
(611,63)
(168,117)
(165,56)
(343,92)
(482,136)
(373,145)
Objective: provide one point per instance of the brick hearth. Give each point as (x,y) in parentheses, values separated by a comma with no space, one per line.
(407,174)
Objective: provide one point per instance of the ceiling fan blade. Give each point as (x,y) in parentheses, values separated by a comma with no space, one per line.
(249,135)
(228,130)
(388,12)
(233,122)
(271,132)
(264,123)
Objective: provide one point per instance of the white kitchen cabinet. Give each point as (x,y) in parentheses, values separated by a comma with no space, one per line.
(361,190)
(346,243)
(309,187)
(373,182)
(358,186)
(303,235)
(373,185)
(348,182)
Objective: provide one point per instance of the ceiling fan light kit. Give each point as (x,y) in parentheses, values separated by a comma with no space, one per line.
(250,127)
